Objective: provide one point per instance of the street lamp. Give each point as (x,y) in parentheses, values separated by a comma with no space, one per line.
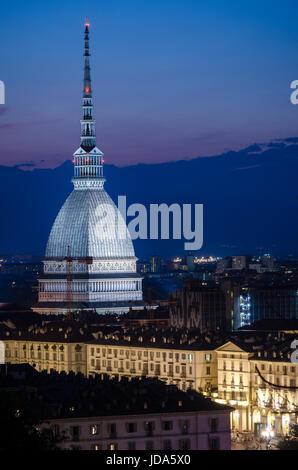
(268,434)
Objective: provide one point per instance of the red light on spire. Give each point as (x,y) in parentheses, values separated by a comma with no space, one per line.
(86,90)
(86,22)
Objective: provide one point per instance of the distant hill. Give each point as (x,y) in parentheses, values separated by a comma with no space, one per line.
(250,200)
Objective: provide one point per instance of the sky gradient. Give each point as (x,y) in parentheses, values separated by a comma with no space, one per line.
(171,79)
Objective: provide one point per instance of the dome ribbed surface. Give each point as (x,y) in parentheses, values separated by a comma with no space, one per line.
(89,229)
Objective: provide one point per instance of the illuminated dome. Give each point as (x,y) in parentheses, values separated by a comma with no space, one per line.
(80,226)
(90,262)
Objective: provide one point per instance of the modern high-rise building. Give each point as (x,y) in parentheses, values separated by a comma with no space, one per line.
(199,305)
(90,261)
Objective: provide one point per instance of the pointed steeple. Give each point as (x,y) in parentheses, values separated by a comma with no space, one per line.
(88,159)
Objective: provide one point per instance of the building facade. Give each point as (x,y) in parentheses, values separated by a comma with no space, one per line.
(262,386)
(90,261)
(199,305)
(183,367)
(186,368)
(181,430)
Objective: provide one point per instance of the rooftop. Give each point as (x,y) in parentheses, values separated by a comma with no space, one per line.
(73,396)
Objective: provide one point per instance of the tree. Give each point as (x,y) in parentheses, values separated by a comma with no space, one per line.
(20,424)
(290,442)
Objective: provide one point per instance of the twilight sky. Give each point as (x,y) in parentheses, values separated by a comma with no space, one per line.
(172,79)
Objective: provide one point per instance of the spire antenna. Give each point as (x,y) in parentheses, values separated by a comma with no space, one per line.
(88,159)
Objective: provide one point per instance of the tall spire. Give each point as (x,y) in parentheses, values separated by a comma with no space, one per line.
(87,124)
(88,159)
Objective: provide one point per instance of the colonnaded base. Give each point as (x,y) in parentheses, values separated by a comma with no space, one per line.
(102,308)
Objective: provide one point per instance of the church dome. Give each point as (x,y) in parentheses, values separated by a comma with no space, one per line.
(91,225)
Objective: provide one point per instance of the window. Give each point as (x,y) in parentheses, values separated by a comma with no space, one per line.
(96,447)
(92,351)
(208,357)
(190,358)
(112,430)
(213,425)
(184,426)
(184,444)
(167,445)
(149,427)
(131,427)
(131,445)
(167,425)
(94,429)
(214,443)
(149,445)
(112,446)
(75,433)
(207,370)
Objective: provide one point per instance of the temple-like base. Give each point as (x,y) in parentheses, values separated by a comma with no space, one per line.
(58,308)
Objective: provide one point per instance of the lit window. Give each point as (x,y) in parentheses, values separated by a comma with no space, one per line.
(94,429)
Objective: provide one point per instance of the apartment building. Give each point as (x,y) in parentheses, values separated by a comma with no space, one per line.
(174,356)
(185,367)
(180,430)
(261,383)
(141,414)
